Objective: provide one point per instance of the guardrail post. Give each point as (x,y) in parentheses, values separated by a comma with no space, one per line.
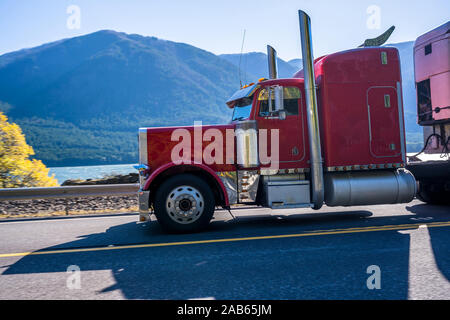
(66,206)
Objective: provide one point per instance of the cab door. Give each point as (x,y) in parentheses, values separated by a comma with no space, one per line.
(291,144)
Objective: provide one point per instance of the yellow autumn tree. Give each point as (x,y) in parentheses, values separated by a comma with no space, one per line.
(16,168)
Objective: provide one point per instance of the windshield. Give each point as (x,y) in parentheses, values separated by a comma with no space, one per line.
(242,109)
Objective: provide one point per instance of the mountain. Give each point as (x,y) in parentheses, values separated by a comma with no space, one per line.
(254,65)
(296,63)
(81,100)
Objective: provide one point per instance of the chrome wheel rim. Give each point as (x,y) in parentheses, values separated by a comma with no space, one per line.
(185,204)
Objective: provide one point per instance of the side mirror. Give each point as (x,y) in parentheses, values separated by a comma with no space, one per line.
(279,103)
(276,94)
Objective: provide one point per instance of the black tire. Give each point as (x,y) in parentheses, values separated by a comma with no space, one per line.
(168,219)
(433,194)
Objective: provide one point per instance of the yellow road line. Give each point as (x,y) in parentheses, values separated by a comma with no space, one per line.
(167,244)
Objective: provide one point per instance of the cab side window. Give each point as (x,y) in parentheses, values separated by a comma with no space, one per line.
(291,97)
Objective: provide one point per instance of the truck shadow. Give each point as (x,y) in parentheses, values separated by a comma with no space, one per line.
(439,244)
(315,267)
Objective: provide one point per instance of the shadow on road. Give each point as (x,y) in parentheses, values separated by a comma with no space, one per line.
(314,267)
(440,244)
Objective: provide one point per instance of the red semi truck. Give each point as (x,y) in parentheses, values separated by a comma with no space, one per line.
(333,133)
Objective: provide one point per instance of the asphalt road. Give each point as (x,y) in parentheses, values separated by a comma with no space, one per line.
(334,253)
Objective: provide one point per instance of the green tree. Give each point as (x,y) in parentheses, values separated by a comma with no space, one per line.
(16,168)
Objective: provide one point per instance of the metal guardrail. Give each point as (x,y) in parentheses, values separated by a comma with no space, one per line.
(69,192)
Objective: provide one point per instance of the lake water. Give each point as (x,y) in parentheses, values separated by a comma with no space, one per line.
(90,172)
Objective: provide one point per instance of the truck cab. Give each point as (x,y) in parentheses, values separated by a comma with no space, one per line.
(286,120)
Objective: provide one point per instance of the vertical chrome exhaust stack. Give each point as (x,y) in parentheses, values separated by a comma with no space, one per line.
(273,65)
(317,185)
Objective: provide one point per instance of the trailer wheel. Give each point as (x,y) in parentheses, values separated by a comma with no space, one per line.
(184,203)
(432,194)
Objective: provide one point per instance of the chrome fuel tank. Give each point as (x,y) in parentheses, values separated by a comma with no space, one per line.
(368,188)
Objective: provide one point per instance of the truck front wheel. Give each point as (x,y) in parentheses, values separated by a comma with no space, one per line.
(184,203)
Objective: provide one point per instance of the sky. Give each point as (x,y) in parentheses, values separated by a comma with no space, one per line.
(218,26)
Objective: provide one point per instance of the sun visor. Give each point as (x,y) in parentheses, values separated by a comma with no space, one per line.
(245,92)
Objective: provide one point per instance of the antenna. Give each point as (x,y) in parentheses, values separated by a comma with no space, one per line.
(240,59)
